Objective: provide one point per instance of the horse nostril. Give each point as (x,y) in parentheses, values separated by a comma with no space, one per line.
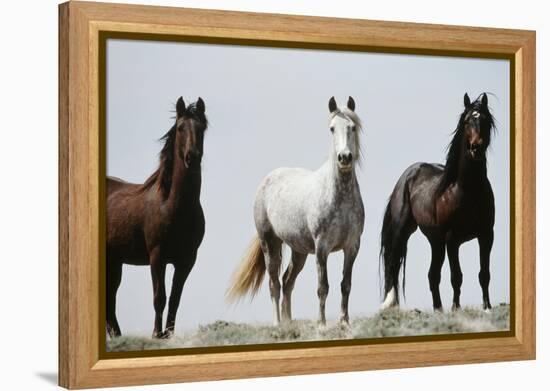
(344,158)
(192,158)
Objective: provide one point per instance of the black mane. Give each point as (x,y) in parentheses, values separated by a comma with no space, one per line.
(454,149)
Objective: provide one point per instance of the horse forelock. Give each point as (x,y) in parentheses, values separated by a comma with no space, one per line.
(194,113)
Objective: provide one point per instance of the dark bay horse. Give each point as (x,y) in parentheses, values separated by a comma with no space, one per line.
(451,204)
(160,221)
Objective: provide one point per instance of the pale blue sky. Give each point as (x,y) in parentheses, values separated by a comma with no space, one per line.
(267,108)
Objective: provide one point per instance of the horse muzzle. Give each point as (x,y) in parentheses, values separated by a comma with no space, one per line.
(345,167)
(345,161)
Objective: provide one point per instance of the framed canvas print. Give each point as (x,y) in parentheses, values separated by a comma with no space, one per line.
(249,195)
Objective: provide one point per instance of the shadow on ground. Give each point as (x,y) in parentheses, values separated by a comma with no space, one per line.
(48,377)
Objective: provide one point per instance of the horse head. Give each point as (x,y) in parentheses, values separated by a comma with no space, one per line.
(477,124)
(191,124)
(345,126)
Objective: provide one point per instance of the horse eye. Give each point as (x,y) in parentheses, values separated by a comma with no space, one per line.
(353,128)
(332,129)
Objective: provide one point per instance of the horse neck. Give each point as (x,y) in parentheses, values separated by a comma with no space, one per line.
(185,188)
(470,173)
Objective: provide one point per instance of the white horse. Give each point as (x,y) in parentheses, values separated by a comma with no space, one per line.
(313,212)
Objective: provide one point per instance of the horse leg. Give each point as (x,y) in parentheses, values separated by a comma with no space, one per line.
(322,282)
(158,273)
(289,278)
(396,233)
(271,248)
(349,258)
(114,275)
(181,272)
(434,275)
(485,246)
(394,258)
(456,272)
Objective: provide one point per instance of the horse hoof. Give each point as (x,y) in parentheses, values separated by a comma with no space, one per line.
(157,335)
(345,326)
(112,333)
(455,307)
(285,320)
(344,321)
(168,333)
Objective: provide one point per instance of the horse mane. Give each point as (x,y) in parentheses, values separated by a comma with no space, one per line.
(352,115)
(163,174)
(450,174)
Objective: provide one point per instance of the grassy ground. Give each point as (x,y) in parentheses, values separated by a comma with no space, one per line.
(388,323)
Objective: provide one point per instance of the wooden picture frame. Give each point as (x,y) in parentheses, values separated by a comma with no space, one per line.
(81,162)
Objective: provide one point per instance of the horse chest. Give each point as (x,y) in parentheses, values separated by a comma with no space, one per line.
(176,233)
(338,223)
(466,214)
(470,221)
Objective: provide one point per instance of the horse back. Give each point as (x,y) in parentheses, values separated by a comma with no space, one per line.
(411,201)
(125,220)
(114,184)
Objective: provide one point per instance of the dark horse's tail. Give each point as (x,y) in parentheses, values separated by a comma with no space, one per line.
(393,254)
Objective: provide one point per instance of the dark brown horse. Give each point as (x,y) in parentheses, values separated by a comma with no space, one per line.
(160,221)
(451,204)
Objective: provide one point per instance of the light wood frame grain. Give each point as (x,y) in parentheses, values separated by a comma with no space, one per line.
(80,23)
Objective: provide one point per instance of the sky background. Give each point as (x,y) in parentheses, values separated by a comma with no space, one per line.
(268,108)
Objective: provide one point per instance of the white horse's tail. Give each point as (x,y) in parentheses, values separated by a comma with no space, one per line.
(249,275)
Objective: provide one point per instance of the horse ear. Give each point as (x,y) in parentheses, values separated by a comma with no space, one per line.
(467,101)
(200,105)
(351,104)
(332,105)
(180,107)
(484,100)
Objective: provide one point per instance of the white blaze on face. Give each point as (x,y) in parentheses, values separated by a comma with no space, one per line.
(343,137)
